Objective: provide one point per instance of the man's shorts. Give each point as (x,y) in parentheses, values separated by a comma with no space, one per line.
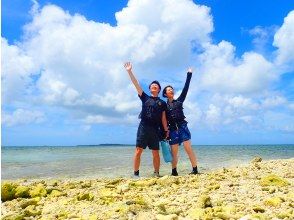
(147,136)
(180,135)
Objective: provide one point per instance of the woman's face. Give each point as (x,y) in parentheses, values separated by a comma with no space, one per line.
(169,92)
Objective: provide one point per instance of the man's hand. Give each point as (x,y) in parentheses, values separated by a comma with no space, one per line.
(167,137)
(190,70)
(128,66)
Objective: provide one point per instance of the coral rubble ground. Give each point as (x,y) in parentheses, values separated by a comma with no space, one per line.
(260,190)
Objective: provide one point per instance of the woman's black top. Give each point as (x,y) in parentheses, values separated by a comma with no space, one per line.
(175,115)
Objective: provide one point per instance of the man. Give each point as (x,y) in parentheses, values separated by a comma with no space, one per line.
(152,117)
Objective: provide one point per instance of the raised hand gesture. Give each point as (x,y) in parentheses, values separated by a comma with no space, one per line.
(190,70)
(128,66)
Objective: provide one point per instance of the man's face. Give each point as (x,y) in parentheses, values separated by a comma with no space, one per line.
(154,88)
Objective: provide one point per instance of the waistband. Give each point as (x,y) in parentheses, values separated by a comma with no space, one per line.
(149,124)
(175,125)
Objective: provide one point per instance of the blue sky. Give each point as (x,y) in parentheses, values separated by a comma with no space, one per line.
(62,85)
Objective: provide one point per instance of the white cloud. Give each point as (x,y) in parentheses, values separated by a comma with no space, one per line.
(95,119)
(230,110)
(274,101)
(223,72)
(98,119)
(279,121)
(241,103)
(17,70)
(284,41)
(262,37)
(193,112)
(57,91)
(80,63)
(238,112)
(22,116)
(260,33)
(247,119)
(213,115)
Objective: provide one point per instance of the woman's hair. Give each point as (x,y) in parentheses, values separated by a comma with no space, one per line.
(164,90)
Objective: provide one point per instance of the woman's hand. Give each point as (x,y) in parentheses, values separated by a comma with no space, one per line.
(190,70)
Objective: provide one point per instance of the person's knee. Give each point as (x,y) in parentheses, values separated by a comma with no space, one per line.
(175,154)
(187,145)
(175,149)
(187,142)
(189,149)
(138,151)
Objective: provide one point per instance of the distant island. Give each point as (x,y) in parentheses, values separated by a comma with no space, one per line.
(92,145)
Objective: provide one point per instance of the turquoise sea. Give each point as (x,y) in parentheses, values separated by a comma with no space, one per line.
(114,161)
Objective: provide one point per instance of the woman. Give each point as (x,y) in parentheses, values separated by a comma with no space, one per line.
(179,132)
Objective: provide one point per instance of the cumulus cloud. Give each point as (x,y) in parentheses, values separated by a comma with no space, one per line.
(68,61)
(261,37)
(222,71)
(101,119)
(169,31)
(22,116)
(213,115)
(230,110)
(279,121)
(238,112)
(17,70)
(80,62)
(274,101)
(283,40)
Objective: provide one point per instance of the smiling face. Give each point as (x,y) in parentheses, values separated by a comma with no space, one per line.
(169,92)
(154,89)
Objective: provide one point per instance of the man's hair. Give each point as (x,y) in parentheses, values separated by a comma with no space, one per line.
(155,82)
(164,90)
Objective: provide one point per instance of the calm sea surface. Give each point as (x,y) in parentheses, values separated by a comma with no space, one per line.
(115,161)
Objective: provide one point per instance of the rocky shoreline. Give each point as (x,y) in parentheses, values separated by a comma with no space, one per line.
(260,190)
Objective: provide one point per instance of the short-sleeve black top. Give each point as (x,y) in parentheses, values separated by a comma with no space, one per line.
(152,108)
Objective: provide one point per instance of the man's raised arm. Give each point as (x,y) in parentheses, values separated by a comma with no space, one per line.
(128,67)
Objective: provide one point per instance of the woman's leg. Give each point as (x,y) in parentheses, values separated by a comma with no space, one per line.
(189,151)
(175,150)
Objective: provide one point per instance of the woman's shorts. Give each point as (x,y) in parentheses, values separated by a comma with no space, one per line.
(180,135)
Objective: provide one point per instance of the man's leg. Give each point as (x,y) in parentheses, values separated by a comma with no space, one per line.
(137,158)
(156,160)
